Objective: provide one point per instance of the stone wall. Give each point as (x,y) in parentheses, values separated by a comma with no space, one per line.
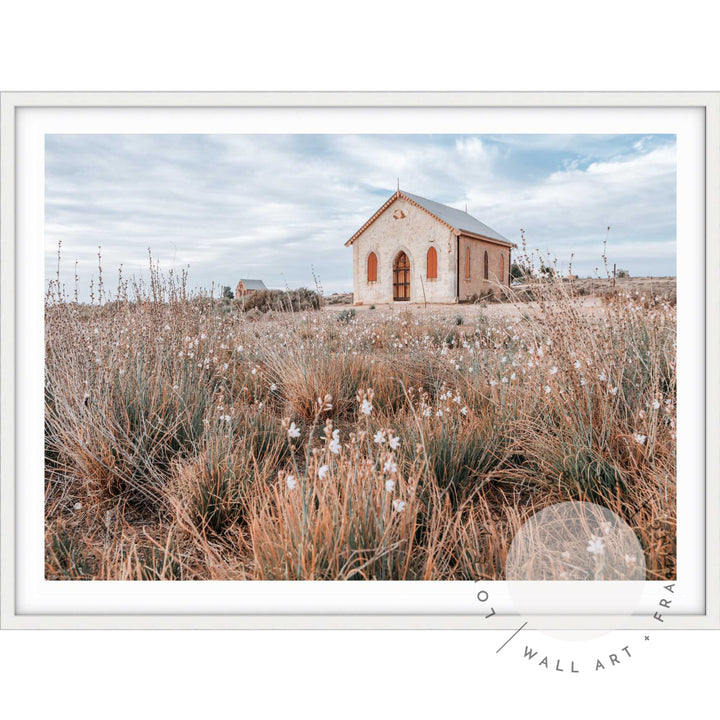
(498,270)
(405,227)
(414,234)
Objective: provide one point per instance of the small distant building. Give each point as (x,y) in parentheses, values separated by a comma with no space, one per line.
(246,287)
(418,250)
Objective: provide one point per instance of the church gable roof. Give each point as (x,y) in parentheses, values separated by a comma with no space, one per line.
(456,220)
(253,284)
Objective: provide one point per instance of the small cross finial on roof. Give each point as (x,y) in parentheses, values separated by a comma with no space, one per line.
(465,207)
(398,184)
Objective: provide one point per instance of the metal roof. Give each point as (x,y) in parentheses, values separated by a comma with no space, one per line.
(456,218)
(253,284)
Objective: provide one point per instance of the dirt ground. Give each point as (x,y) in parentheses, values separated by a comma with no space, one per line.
(590,290)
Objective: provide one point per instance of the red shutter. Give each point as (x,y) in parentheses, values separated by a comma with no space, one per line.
(372,268)
(432,263)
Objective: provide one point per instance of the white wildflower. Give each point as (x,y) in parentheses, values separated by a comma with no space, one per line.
(379,437)
(394,442)
(334,445)
(390,466)
(398,505)
(291,482)
(323,471)
(293,431)
(365,407)
(640,439)
(553,370)
(547,389)
(596,545)
(77,506)
(656,404)
(389,485)
(464,411)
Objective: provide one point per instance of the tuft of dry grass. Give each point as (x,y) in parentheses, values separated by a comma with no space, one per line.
(351,515)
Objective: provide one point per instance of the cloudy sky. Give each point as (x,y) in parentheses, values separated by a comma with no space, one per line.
(276,206)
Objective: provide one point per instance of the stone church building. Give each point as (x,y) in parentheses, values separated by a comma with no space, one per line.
(417,250)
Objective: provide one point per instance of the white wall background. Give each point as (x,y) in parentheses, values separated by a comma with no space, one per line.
(611,45)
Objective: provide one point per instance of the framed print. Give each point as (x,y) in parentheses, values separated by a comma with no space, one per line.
(460,349)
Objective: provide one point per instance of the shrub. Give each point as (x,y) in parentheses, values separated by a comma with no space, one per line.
(346,316)
(281,300)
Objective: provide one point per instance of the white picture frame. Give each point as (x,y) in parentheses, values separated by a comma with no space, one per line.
(23,117)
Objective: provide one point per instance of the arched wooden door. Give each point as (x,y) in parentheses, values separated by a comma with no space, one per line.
(401,277)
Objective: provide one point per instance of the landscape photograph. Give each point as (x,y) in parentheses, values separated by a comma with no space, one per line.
(357,357)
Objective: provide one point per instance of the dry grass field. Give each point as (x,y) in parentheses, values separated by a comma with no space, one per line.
(189,440)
